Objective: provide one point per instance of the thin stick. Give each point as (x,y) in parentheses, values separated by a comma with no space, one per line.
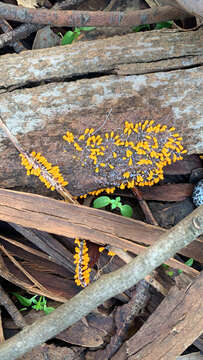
(25,272)
(102,125)
(6,274)
(12,309)
(90,18)
(144,206)
(59,188)
(150,279)
(24,30)
(6,27)
(1,330)
(27,248)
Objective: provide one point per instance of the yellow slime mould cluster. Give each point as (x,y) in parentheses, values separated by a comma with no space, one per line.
(132,157)
(135,156)
(82,270)
(37,165)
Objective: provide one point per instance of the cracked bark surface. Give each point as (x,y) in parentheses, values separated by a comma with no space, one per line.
(43,93)
(178,322)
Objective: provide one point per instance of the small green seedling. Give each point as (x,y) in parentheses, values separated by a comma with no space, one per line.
(170,273)
(163,24)
(102,201)
(189,262)
(40,304)
(158,26)
(70,36)
(141,28)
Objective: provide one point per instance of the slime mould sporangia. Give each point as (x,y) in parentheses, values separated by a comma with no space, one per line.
(135,156)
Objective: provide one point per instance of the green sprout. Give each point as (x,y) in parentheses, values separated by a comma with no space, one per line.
(40,304)
(70,36)
(158,26)
(141,28)
(170,273)
(102,201)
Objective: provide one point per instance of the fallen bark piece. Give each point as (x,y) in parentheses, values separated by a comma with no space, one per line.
(98,226)
(102,57)
(124,318)
(168,192)
(73,88)
(50,352)
(192,356)
(176,323)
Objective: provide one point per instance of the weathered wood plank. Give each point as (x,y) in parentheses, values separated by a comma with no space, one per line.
(39,114)
(70,220)
(155,50)
(176,323)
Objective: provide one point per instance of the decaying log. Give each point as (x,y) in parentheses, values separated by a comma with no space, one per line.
(98,226)
(152,75)
(175,324)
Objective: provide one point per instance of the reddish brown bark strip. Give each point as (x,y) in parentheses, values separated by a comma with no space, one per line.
(168,192)
(90,18)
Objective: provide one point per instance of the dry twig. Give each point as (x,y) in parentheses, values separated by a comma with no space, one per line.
(6,27)
(24,30)
(12,309)
(1,330)
(19,33)
(90,18)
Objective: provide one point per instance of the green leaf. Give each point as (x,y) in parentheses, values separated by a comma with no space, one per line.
(163,24)
(113,204)
(40,304)
(68,38)
(189,262)
(88,28)
(48,309)
(101,202)
(141,27)
(117,201)
(165,266)
(77,32)
(126,210)
(170,273)
(23,300)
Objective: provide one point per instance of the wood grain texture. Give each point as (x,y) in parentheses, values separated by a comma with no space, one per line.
(87,223)
(47,92)
(176,323)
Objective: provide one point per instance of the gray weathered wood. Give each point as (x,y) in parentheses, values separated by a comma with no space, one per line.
(44,93)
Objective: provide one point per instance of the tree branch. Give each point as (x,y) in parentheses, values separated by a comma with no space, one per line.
(11,308)
(90,18)
(106,287)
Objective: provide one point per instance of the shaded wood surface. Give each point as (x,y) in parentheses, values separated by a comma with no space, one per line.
(168,192)
(139,76)
(176,323)
(98,226)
